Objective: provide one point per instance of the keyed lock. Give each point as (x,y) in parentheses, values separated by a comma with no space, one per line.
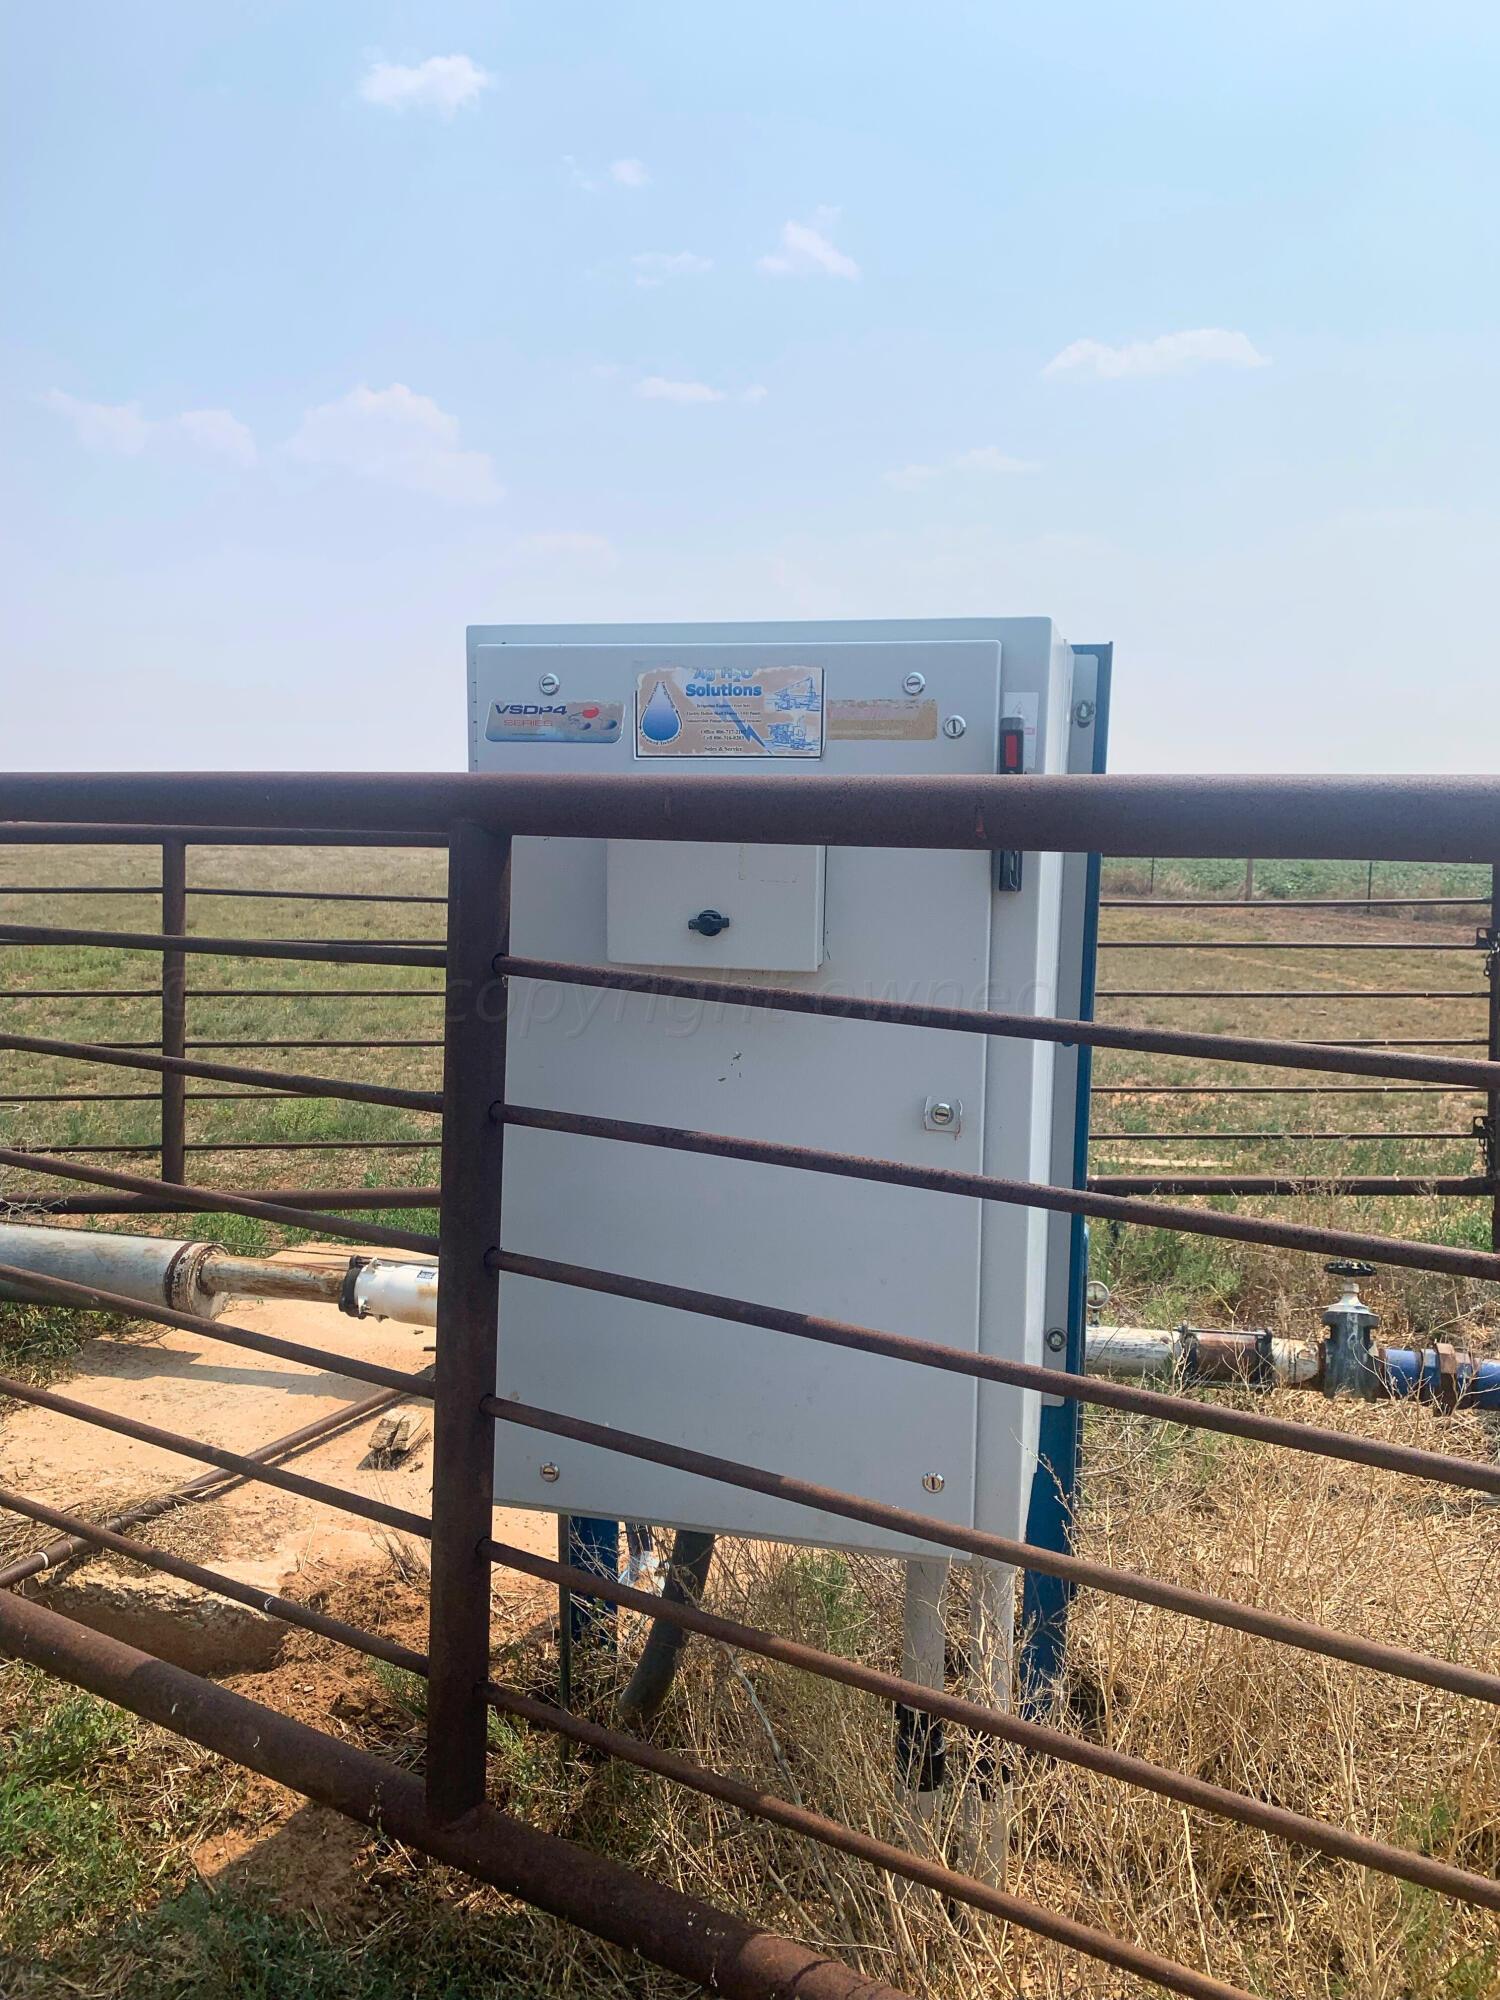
(708,923)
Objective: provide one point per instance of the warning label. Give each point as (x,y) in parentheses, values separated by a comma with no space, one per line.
(882,721)
(761,712)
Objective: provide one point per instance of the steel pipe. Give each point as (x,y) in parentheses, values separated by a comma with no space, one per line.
(1327,818)
(1336,1184)
(212,1201)
(1025,1194)
(306,1204)
(113,1056)
(1341,1058)
(330,951)
(722,1953)
(1396,1661)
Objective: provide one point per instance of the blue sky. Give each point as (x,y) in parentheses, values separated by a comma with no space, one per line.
(329,330)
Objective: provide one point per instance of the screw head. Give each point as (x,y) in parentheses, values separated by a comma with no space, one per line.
(550,1473)
(549,683)
(933,1482)
(1057,1340)
(914,683)
(954,725)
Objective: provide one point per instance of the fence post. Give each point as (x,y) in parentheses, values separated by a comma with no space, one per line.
(173,1009)
(474,1033)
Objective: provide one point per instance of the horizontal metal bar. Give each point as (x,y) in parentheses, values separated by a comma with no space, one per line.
(360,1145)
(1025,1733)
(1287,1138)
(322,1042)
(1338,1057)
(331,951)
(1272,1090)
(1445,1469)
(213,1201)
(113,1056)
(1325,818)
(1104,1946)
(85,1097)
(1025,1194)
(307,1204)
(137,833)
(1276,1626)
(1282,944)
(1270,905)
(1284,993)
(94,1298)
(305,1616)
(228,993)
(207,1485)
(253,1469)
(1337,1184)
(80,889)
(719,1952)
(315,895)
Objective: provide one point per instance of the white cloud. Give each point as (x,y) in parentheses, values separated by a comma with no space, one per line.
(218,431)
(808,250)
(983,458)
(659,389)
(756,393)
(1167,354)
(654,267)
(629,173)
(117,427)
(565,548)
(443,84)
(397,436)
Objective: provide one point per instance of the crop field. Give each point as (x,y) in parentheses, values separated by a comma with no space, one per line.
(132,1863)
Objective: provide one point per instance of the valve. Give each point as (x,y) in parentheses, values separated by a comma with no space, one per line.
(708,923)
(1350,1363)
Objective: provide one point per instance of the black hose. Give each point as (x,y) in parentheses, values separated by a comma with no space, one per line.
(656,1669)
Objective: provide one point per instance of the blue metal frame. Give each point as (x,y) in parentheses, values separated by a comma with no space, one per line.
(1054,1486)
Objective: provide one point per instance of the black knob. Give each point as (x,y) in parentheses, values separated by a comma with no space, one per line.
(1349,1267)
(708,923)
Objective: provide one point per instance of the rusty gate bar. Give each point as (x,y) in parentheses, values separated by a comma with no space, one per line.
(240,1462)
(213,1200)
(1292,903)
(334,951)
(1298,1436)
(113,1055)
(1011,1726)
(468,1305)
(1397,1661)
(173,1008)
(1289,1184)
(1026,1194)
(1293,818)
(721,1952)
(137,833)
(1488,1130)
(1341,1058)
(1109,1948)
(297,1206)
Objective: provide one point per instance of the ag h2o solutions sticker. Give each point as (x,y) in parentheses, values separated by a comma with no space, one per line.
(760,712)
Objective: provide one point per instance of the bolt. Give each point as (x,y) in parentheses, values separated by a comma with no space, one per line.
(941,1114)
(550,1473)
(1057,1340)
(954,725)
(914,683)
(1083,713)
(933,1482)
(549,683)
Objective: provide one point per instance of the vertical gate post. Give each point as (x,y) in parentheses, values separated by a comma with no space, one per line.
(474,1032)
(173,1009)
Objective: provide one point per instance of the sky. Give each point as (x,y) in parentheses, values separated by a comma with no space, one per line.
(328,330)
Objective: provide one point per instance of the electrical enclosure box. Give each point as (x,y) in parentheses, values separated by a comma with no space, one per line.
(909,697)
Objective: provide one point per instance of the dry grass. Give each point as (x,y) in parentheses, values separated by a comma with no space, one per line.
(1365,1551)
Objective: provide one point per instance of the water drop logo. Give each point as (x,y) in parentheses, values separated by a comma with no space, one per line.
(661,723)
